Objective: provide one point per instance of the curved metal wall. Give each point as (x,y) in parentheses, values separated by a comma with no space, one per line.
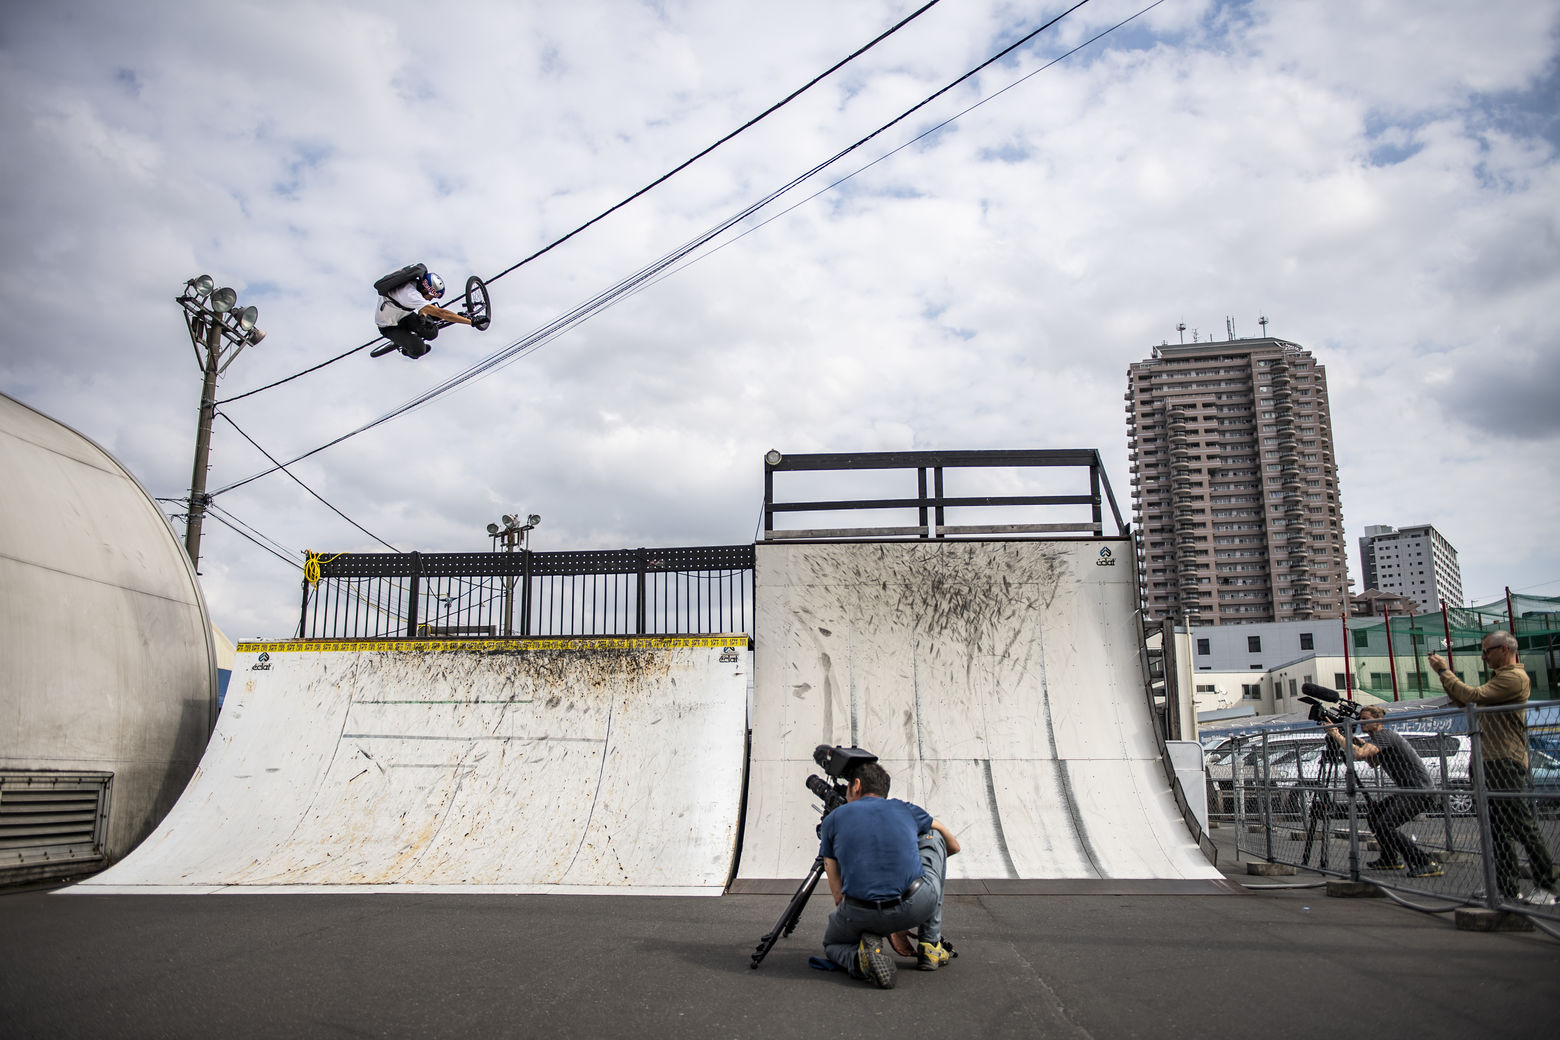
(106,655)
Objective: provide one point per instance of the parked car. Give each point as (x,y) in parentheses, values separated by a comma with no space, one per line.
(1543,781)
(1275,766)
(1295,771)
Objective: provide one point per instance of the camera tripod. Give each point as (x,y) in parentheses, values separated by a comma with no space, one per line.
(793,913)
(1320,811)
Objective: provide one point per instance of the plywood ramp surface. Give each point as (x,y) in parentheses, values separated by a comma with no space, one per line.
(595,767)
(998,682)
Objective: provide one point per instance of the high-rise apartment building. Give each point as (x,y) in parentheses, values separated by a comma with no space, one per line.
(1415,562)
(1234,483)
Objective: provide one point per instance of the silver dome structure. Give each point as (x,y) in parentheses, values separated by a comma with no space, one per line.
(107,665)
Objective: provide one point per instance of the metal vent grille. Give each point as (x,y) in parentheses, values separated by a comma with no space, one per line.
(49,818)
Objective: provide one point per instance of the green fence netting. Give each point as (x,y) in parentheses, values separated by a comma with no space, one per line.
(1390,659)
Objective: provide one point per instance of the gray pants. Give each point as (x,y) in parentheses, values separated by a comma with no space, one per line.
(923,910)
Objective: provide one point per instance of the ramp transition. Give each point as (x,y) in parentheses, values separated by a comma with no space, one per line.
(998,682)
(577,765)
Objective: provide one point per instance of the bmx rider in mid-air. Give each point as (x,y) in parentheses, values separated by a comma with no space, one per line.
(408,317)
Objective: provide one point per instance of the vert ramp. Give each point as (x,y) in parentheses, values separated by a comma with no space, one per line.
(998,682)
(592,765)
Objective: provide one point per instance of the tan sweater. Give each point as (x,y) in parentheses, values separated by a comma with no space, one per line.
(1505,733)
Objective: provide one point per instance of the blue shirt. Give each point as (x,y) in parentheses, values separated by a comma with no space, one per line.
(875,841)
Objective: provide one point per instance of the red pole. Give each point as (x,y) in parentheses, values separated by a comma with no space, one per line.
(1348,673)
(1446,626)
(1511,621)
(1386,616)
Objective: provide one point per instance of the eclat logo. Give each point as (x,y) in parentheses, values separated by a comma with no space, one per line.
(1106,559)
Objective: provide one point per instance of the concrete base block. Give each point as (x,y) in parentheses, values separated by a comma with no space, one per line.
(1269,869)
(1480,919)
(1340,889)
(1255,828)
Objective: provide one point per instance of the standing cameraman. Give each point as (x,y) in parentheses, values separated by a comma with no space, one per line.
(1387,749)
(1505,752)
(886,860)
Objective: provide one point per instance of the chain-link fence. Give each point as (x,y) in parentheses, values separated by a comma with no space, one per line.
(1483,830)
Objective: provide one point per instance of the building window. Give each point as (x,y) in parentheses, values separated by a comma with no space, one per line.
(1340,680)
(1306,642)
(1251,691)
(1361,638)
(1254,644)
(1202,648)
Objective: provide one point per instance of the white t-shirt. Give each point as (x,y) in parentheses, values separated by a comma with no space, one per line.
(410,300)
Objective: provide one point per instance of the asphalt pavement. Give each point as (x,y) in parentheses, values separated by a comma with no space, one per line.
(1275,963)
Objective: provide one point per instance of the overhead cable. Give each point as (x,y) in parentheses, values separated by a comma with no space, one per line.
(798,92)
(305,487)
(628,285)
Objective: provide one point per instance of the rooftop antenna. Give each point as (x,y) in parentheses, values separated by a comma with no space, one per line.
(1180,327)
(1263,322)
(1229,326)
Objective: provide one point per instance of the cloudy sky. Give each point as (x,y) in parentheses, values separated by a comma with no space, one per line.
(1378,178)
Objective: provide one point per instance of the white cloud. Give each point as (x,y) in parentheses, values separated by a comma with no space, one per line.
(1334,166)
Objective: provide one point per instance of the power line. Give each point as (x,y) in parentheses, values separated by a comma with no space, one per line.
(751,122)
(295,375)
(278,546)
(668,175)
(919,137)
(244,534)
(305,487)
(628,285)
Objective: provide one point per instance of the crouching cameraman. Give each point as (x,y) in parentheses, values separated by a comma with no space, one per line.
(886,860)
(1387,749)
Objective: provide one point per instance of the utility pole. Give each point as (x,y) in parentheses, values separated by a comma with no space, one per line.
(218,329)
(208,410)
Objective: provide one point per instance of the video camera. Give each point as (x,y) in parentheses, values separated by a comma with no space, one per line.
(835,761)
(1318,696)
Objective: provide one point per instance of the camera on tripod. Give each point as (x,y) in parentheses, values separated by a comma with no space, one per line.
(835,761)
(1319,696)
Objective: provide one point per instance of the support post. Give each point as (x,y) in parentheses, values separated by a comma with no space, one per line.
(208,410)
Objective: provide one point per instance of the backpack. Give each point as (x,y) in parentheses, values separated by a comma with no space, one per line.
(395,279)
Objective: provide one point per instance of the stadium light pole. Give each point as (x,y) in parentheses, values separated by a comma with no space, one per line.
(218,329)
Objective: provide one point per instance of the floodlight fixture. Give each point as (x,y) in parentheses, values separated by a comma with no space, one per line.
(246,317)
(200,286)
(533,520)
(255,335)
(492,530)
(223,300)
(773,457)
(510,520)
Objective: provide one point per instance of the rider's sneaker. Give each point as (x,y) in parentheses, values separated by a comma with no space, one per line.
(875,961)
(1431,869)
(931,956)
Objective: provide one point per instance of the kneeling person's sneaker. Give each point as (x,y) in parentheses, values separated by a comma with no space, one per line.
(1540,897)
(875,961)
(1431,869)
(931,956)
(1384,864)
